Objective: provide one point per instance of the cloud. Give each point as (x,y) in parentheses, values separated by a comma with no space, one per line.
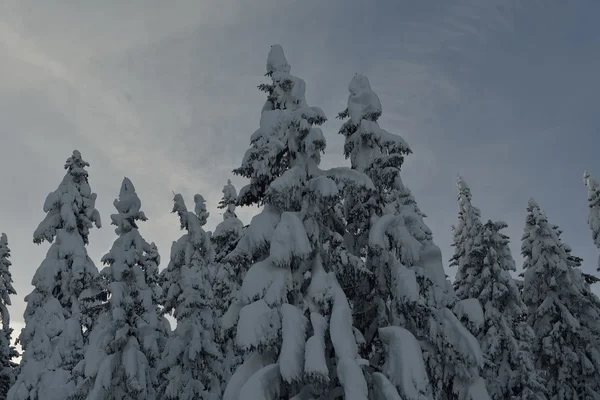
(501,92)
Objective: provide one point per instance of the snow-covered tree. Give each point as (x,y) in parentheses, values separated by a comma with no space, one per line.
(467,241)
(191,362)
(406,285)
(228,278)
(562,310)
(594,206)
(294,323)
(7,350)
(128,337)
(484,262)
(52,340)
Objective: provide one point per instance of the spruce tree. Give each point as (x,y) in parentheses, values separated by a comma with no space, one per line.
(562,310)
(128,338)
(594,213)
(295,323)
(191,362)
(466,241)
(7,350)
(52,340)
(406,285)
(228,279)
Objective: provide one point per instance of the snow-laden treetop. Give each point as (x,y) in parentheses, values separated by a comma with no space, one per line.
(72,205)
(6,287)
(363,102)
(471,212)
(276,61)
(594,205)
(286,138)
(228,201)
(128,205)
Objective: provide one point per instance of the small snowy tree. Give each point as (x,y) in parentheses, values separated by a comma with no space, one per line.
(127,340)
(509,369)
(467,241)
(563,312)
(7,350)
(295,323)
(594,205)
(406,285)
(191,360)
(228,278)
(52,340)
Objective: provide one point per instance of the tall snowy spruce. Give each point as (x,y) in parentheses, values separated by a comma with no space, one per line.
(594,205)
(228,279)
(7,350)
(127,339)
(191,362)
(406,286)
(563,312)
(484,283)
(294,323)
(52,340)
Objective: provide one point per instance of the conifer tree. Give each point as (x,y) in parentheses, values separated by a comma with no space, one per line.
(128,338)
(192,360)
(228,279)
(406,285)
(562,310)
(52,340)
(467,240)
(7,350)
(295,323)
(594,213)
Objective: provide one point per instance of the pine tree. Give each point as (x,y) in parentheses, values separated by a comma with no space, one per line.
(467,241)
(290,292)
(228,279)
(192,358)
(7,350)
(594,206)
(562,310)
(127,340)
(406,285)
(52,340)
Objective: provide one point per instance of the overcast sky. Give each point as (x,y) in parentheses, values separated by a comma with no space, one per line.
(503,92)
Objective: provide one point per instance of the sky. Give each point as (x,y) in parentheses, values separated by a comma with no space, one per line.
(502,92)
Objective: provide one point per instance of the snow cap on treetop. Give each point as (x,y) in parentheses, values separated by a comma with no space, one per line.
(229,191)
(3,239)
(463,188)
(276,61)
(363,102)
(128,205)
(590,182)
(200,209)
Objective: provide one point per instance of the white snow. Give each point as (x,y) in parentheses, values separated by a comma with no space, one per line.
(293,331)
(289,241)
(315,364)
(384,389)
(404,363)
(259,326)
(253,363)
(472,311)
(362,100)
(263,385)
